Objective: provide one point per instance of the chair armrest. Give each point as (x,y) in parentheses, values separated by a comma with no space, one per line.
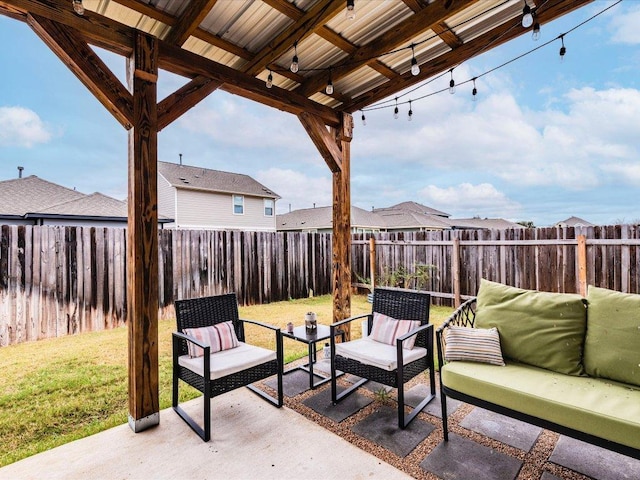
(260,324)
(411,333)
(177,336)
(350,319)
(463,316)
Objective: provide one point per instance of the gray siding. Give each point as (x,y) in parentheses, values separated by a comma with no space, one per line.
(166,200)
(215,210)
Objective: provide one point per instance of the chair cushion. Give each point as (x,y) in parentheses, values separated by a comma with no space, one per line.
(226,362)
(542,329)
(387,329)
(371,352)
(612,345)
(221,336)
(473,345)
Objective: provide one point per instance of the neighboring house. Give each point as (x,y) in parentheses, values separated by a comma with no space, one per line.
(200,198)
(34,201)
(404,217)
(574,222)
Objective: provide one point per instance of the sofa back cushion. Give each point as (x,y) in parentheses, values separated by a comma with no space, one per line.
(542,329)
(612,345)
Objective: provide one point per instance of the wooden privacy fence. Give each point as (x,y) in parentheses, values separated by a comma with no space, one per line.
(548,259)
(57,281)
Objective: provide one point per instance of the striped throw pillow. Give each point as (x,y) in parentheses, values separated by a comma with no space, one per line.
(473,345)
(387,329)
(220,337)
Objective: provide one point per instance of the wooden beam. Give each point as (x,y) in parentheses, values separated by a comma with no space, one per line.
(179,102)
(188,64)
(69,47)
(400,35)
(323,140)
(142,238)
(341,238)
(582,265)
(446,35)
(191,18)
(499,35)
(301,29)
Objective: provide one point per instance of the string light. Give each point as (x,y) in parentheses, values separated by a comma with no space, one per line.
(452,83)
(270,80)
(395,110)
(536,31)
(329,88)
(294,61)
(364,119)
(474,92)
(527,17)
(410,115)
(415,68)
(563,50)
(78,7)
(351,9)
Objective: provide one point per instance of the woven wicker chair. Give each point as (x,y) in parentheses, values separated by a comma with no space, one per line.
(399,365)
(214,373)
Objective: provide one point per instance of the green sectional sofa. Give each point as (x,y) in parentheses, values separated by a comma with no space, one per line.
(560,361)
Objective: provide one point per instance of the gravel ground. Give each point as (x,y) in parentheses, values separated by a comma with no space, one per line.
(535,462)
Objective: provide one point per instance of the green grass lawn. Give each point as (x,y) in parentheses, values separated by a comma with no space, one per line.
(58,390)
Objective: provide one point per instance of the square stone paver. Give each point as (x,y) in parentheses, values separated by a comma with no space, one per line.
(507,430)
(294,382)
(593,461)
(464,459)
(549,476)
(417,393)
(381,427)
(321,403)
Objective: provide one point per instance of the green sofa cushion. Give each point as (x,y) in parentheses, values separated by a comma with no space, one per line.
(612,345)
(597,406)
(542,329)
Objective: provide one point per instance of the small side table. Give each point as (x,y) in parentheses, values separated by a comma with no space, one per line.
(300,334)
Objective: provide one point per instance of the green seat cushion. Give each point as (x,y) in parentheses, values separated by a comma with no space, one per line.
(612,345)
(597,406)
(542,329)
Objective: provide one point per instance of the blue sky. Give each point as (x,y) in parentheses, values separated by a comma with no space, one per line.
(545,139)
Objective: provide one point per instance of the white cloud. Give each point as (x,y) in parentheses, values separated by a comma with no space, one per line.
(22,127)
(468,200)
(624,27)
(625,172)
(297,189)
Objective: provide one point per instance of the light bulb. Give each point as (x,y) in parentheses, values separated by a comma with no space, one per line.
(536,32)
(527,17)
(329,88)
(563,50)
(415,68)
(395,113)
(294,64)
(410,115)
(364,119)
(351,9)
(270,80)
(78,7)
(452,86)
(474,94)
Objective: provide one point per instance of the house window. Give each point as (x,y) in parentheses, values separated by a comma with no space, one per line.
(238,205)
(268,207)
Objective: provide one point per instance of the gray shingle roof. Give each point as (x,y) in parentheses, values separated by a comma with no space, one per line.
(198,178)
(95,204)
(19,196)
(490,223)
(414,207)
(573,222)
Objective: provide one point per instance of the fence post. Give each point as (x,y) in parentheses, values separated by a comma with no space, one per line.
(372,261)
(582,265)
(455,271)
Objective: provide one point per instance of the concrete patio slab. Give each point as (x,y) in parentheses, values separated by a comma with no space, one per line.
(250,440)
(507,430)
(321,403)
(463,459)
(417,393)
(381,427)
(593,461)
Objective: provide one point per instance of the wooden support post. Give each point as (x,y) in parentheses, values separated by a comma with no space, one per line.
(372,261)
(455,271)
(142,237)
(341,239)
(582,265)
